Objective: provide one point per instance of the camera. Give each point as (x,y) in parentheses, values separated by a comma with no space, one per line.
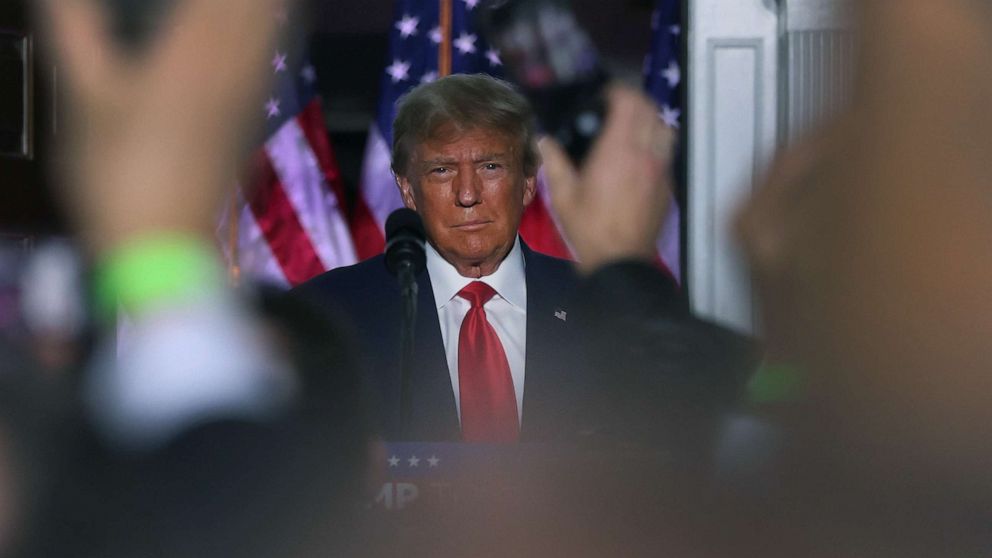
(552,60)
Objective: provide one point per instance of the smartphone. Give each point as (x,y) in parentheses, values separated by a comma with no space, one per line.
(548,55)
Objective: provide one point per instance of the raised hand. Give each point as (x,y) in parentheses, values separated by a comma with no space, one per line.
(154,136)
(612,208)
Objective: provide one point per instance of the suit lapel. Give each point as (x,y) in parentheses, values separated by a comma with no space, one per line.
(545,370)
(434,414)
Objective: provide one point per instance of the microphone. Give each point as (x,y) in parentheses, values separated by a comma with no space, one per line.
(405,258)
(405,244)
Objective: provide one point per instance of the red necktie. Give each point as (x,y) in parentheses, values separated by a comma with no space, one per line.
(488,403)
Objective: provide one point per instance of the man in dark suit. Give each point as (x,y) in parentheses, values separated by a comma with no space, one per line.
(492,313)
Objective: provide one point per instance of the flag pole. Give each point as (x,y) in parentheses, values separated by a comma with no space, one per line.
(444,48)
(234,271)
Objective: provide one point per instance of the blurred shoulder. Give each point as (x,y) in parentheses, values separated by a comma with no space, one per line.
(341,280)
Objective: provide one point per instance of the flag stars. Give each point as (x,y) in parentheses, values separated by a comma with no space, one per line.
(470,4)
(670,116)
(675,29)
(413,462)
(398,70)
(493,56)
(272,109)
(465,43)
(309,73)
(279,62)
(408,25)
(672,74)
(429,77)
(435,35)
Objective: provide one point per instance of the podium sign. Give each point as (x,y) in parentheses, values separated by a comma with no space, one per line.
(441,474)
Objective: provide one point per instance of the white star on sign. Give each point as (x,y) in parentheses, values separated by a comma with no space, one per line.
(393,461)
(670,116)
(470,3)
(433,461)
(272,108)
(398,70)
(408,25)
(465,43)
(672,74)
(493,56)
(279,62)
(413,461)
(429,77)
(308,73)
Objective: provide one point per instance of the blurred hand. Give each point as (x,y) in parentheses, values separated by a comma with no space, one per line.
(612,208)
(870,248)
(154,136)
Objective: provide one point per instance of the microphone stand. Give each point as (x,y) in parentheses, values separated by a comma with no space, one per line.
(408,291)
(405,258)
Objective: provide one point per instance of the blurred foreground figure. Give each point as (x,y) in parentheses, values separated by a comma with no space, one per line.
(870,245)
(212,428)
(664,378)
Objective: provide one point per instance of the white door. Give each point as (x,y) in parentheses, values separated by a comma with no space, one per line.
(762,72)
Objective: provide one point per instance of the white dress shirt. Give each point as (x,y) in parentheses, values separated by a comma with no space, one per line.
(506,312)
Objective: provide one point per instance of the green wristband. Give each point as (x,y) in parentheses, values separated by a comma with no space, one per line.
(776,383)
(154,269)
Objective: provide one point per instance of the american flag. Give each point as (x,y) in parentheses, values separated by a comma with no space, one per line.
(663,82)
(288,222)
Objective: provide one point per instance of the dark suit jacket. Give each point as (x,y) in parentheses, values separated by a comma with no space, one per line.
(369,295)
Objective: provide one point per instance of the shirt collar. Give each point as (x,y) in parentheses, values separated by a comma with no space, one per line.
(509,280)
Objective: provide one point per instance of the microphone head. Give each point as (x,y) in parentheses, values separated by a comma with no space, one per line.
(405,242)
(407,219)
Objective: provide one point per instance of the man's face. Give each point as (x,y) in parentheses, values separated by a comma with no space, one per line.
(471,190)
(872,246)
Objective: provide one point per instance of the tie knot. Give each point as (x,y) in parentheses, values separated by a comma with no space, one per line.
(477,293)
